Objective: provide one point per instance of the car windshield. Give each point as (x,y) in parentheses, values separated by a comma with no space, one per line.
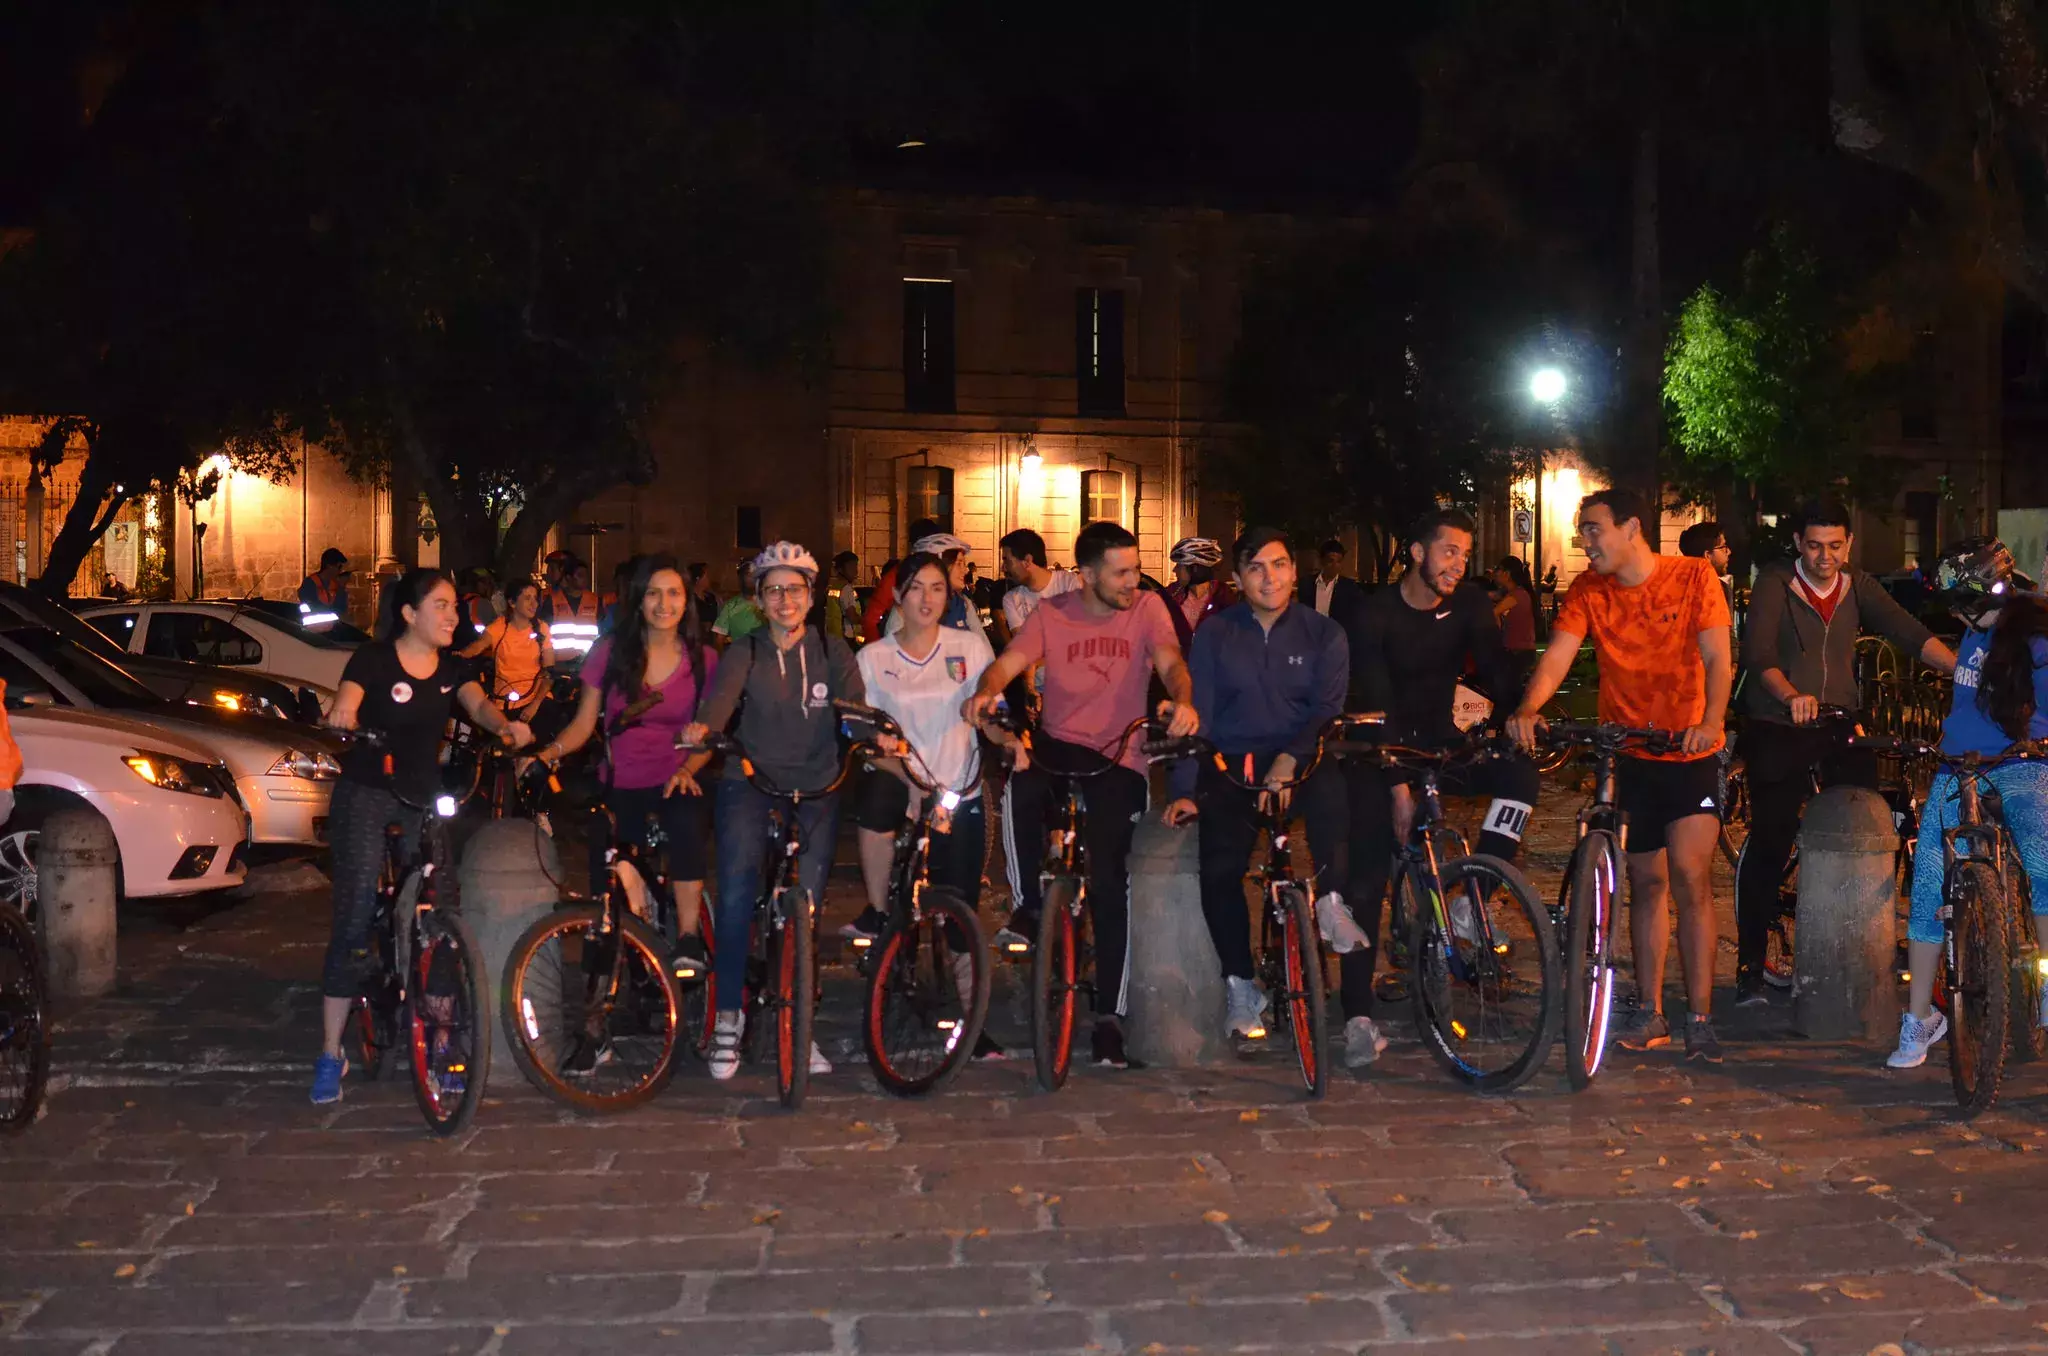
(66,624)
(100,682)
(285,617)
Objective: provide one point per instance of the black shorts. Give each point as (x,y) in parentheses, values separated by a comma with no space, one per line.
(685,820)
(880,799)
(1654,794)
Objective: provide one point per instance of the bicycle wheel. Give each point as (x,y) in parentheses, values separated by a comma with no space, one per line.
(1055,981)
(793,999)
(1302,1005)
(700,1000)
(449,1025)
(1595,885)
(1976,980)
(927,996)
(1391,985)
(1487,988)
(24,1024)
(568,983)
(2023,1008)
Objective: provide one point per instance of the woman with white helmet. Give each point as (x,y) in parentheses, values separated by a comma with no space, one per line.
(956,556)
(1196,593)
(782,681)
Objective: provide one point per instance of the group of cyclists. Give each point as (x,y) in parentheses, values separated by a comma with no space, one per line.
(1255,654)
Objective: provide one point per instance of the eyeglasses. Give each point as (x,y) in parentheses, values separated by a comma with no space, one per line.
(775,593)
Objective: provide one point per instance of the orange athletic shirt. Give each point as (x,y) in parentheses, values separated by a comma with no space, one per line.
(1647,641)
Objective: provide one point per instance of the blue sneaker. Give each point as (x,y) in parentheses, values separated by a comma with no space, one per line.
(328,1071)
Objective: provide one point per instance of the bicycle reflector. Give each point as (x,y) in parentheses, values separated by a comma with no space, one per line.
(444,806)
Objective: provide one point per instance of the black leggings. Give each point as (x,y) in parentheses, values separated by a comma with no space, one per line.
(356,823)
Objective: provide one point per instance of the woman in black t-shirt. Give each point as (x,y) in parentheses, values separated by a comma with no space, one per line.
(402,686)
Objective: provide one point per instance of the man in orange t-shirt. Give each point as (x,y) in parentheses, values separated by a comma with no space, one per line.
(1659,627)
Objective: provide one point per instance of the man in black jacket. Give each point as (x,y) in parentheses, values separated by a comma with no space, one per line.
(1329,591)
(1799,647)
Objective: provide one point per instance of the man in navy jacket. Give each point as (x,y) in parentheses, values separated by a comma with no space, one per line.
(1269,673)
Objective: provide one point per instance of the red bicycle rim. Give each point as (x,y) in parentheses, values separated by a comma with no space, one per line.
(1063,1016)
(785,1012)
(1298,1016)
(423,1072)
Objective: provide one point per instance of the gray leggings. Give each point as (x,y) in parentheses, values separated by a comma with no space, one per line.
(356,822)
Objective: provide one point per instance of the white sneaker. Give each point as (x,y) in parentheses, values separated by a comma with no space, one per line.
(1363,1042)
(819,1064)
(1340,930)
(725,1044)
(1246,1008)
(1463,924)
(1914,1038)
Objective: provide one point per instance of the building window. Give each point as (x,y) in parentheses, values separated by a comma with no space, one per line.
(1919,390)
(928,493)
(927,346)
(1918,528)
(1102,496)
(747,527)
(1099,351)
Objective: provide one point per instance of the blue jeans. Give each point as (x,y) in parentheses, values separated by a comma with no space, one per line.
(2024,789)
(740,816)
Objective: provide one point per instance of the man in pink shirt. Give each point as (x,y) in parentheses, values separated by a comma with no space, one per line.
(1100,645)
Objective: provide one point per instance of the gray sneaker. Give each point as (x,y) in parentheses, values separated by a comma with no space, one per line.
(1363,1042)
(1246,1008)
(1642,1029)
(1700,1041)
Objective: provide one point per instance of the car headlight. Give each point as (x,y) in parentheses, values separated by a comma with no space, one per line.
(171,773)
(317,766)
(228,701)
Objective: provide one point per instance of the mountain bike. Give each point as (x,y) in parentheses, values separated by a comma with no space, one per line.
(1990,979)
(1289,959)
(424,991)
(780,997)
(1485,977)
(928,972)
(24,1023)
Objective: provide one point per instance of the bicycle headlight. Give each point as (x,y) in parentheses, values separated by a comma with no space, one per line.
(171,773)
(444,806)
(313,767)
(949,800)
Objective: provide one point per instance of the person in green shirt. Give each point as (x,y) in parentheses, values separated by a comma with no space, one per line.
(741,616)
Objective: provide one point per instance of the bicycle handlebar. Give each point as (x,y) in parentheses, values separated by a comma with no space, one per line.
(1599,734)
(716,742)
(1195,746)
(1971,764)
(444,806)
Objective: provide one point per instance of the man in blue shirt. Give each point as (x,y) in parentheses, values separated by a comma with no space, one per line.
(1268,675)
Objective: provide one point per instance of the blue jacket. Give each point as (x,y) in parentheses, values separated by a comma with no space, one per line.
(1265,692)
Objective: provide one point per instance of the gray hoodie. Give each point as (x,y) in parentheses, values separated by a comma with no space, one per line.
(1785,632)
(784,699)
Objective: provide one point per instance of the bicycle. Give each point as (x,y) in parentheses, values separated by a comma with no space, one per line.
(1589,896)
(426,977)
(1990,982)
(928,972)
(1475,934)
(781,990)
(1063,956)
(482,768)
(24,1024)
(1289,961)
(627,1012)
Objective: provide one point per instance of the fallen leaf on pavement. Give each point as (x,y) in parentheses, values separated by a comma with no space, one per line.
(125,1270)
(768,1217)
(1746,1235)
(1858,1290)
(1215,1216)
(1247,1115)
(1583,1233)
(1321,1226)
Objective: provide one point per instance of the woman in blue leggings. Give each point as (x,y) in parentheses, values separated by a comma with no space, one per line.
(2001,698)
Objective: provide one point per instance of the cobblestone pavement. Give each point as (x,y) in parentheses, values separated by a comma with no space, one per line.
(182,1196)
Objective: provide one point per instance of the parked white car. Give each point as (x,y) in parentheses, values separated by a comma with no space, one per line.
(263,636)
(172,805)
(283,771)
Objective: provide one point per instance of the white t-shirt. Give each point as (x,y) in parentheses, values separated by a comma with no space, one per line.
(1020,601)
(925,696)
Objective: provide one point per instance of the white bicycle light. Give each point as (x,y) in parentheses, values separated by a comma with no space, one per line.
(444,806)
(950,799)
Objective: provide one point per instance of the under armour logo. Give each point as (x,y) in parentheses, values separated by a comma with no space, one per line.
(1296,660)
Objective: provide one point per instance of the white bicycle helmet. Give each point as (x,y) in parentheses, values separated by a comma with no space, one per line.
(1196,551)
(938,543)
(785,555)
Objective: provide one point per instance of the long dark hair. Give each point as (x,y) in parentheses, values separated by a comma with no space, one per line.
(1517,571)
(408,590)
(2005,687)
(626,670)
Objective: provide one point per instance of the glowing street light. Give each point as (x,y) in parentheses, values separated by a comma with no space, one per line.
(1547,384)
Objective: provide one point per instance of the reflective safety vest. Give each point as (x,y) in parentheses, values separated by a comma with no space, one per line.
(575,626)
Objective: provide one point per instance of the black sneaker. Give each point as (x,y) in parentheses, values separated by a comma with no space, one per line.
(689,961)
(1749,992)
(590,1052)
(1642,1029)
(867,927)
(1109,1045)
(1700,1041)
(1016,937)
(988,1047)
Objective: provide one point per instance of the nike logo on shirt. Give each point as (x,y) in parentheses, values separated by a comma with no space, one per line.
(1441,615)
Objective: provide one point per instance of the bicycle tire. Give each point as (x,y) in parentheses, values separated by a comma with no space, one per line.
(1587,958)
(1976,978)
(2025,1038)
(793,1002)
(700,1000)
(448,969)
(24,1024)
(1781,936)
(540,1020)
(1304,1007)
(1447,968)
(1055,984)
(914,987)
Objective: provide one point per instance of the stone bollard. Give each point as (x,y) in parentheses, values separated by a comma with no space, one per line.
(1176,1018)
(1843,947)
(507,878)
(76,865)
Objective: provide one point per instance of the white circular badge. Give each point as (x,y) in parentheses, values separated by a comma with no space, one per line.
(818,691)
(401,692)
